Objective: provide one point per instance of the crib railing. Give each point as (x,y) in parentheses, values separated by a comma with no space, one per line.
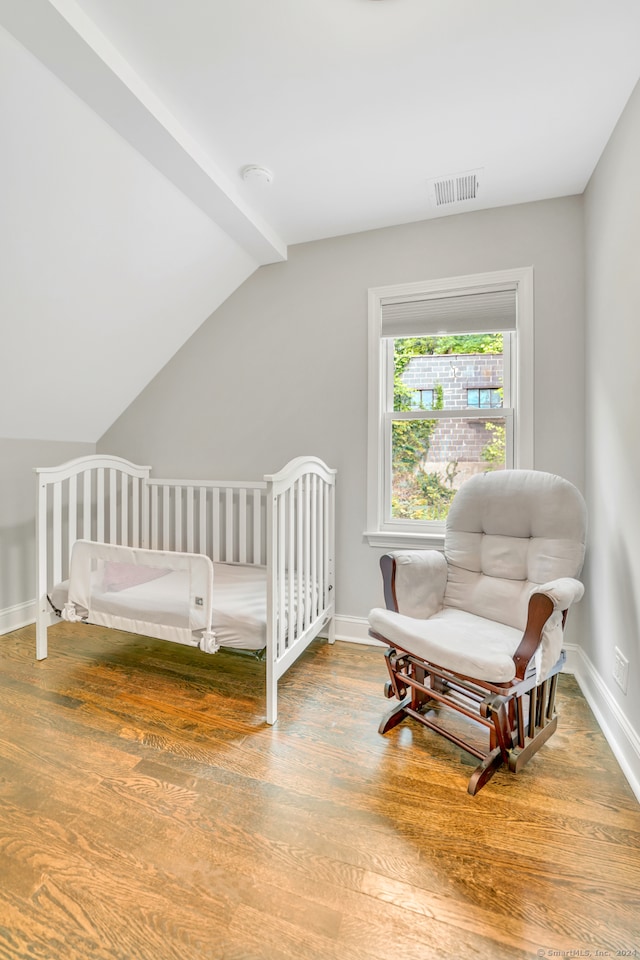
(226,520)
(109,500)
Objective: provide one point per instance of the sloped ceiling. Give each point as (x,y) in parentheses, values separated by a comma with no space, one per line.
(107,265)
(125,127)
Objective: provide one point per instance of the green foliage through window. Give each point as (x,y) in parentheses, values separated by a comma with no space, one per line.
(494,452)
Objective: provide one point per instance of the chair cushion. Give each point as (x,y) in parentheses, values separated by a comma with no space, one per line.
(455,640)
(506,532)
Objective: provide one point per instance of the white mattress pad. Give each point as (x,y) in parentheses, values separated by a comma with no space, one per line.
(239,602)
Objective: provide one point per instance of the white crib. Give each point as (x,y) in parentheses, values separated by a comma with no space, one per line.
(285,522)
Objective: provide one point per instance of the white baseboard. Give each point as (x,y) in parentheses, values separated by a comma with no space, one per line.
(354,630)
(620,735)
(573,653)
(20,615)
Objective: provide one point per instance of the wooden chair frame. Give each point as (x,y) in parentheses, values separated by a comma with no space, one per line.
(520,715)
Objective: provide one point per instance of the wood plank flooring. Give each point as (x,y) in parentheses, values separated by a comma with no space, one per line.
(148,813)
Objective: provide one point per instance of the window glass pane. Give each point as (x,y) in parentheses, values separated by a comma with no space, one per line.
(487,399)
(432,458)
(436,373)
(422,400)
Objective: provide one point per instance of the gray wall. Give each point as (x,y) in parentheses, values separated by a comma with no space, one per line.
(612,230)
(280,369)
(17,511)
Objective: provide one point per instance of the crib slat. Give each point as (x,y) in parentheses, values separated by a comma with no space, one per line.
(317,546)
(100,504)
(166,514)
(312,589)
(124,509)
(73,513)
(190,530)
(154,517)
(202,518)
(145,519)
(257,527)
(57,532)
(242,525)
(42,558)
(307,553)
(215,524)
(280,553)
(299,494)
(177,518)
(331,544)
(135,511)
(113,500)
(86,505)
(290,567)
(229,525)
(322,548)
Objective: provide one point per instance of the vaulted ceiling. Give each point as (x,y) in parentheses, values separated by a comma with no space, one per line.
(126,127)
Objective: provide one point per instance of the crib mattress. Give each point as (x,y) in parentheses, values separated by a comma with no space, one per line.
(239,616)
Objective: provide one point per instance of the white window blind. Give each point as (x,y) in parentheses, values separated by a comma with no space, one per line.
(483,312)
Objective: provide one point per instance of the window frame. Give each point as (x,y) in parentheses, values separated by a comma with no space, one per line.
(384,532)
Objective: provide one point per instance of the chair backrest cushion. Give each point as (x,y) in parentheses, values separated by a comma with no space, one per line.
(508,531)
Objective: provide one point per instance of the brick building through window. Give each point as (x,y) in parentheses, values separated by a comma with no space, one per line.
(465,381)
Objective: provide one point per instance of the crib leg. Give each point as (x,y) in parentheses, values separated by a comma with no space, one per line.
(331,633)
(41,635)
(272,690)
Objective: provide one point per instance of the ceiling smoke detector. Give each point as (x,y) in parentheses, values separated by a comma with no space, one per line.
(458,188)
(257,174)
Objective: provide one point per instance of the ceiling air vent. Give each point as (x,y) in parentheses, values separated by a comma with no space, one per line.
(459,188)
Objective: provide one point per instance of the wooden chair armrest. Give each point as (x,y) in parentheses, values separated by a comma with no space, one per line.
(540,609)
(388,570)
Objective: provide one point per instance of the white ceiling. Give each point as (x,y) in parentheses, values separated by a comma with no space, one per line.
(152,108)
(355,104)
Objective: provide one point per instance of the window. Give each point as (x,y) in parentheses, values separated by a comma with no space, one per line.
(450,395)
(484,397)
(422,399)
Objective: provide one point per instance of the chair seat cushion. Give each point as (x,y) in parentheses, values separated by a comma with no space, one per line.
(455,640)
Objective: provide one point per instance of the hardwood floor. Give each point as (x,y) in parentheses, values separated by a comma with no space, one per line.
(147,812)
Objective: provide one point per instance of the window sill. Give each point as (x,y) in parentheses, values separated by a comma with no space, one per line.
(407,541)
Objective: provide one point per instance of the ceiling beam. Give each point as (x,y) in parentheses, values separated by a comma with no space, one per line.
(68,43)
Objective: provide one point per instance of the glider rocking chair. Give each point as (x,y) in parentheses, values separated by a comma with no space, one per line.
(479,627)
